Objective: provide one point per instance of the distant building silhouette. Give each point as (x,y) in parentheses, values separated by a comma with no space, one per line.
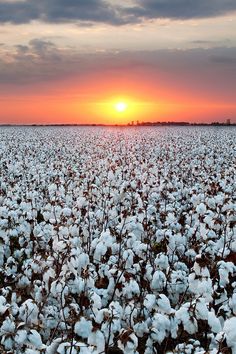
(228,121)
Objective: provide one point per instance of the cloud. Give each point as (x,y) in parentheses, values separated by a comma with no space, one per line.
(204,72)
(110,12)
(57,11)
(181,9)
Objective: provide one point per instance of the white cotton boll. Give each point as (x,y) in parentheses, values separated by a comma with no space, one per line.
(202,271)
(201,309)
(83,328)
(171,218)
(160,327)
(49,274)
(141,328)
(201,287)
(162,261)
(158,280)
(150,301)
(23,281)
(31,351)
(224,268)
(97,339)
(96,300)
(211,234)
(106,238)
(83,260)
(230,333)
(219,199)
(201,209)
(100,251)
(28,312)
(3,212)
(67,348)
(63,232)
(3,305)
(164,304)
(8,343)
(214,322)
(130,289)
(67,212)
(183,315)
(211,203)
(232,303)
(128,256)
(174,326)
(81,202)
(52,348)
(35,339)
(129,346)
(59,246)
(21,336)
(8,326)
(100,315)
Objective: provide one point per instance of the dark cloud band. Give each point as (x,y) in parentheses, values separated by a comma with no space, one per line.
(111,12)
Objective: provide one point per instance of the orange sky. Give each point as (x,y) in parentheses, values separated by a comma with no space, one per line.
(70,62)
(93,101)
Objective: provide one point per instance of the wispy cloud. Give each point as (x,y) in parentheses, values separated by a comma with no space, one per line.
(204,72)
(110,12)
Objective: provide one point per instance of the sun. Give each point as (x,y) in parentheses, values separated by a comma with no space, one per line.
(121,107)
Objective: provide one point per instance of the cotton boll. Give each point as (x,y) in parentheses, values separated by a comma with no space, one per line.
(200,286)
(28,312)
(31,351)
(3,305)
(8,326)
(173,325)
(224,268)
(35,339)
(83,328)
(232,303)
(52,348)
(141,328)
(96,301)
(160,327)
(158,281)
(162,261)
(189,323)
(59,246)
(214,322)
(201,209)
(97,339)
(130,289)
(230,333)
(150,301)
(129,343)
(21,336)
(163,304)
(65,348)
(83,260)
(201,309)
(128,256)
(67,212)
(100,251)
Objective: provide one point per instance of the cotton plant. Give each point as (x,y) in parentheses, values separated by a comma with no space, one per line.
(117,239)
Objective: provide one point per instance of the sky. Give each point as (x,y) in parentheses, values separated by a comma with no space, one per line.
(72,61)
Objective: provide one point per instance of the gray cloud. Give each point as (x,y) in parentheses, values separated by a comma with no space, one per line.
(182,9)
(113,12)
(57,11)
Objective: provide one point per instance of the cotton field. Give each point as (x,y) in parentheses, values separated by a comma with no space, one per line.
(117,240)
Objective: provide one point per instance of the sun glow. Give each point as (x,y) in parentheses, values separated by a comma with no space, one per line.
(121,107)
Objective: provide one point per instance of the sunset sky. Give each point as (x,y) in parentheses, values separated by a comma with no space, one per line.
(72,61)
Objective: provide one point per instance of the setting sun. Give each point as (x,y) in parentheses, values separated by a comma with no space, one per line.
(121,106)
